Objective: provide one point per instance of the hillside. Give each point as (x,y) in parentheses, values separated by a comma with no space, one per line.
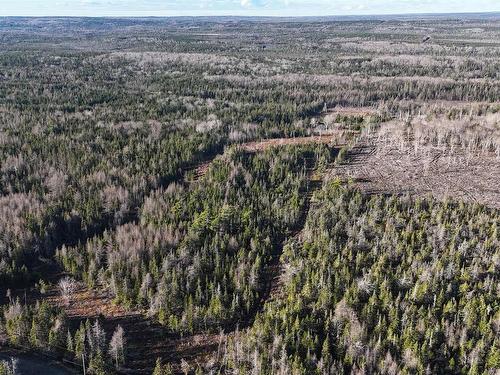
(239,195)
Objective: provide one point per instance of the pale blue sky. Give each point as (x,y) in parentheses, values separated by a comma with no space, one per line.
(238,7)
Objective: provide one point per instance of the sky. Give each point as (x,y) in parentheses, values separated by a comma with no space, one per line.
(141,8)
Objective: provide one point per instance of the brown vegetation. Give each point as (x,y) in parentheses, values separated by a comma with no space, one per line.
(330,139)
(458,158)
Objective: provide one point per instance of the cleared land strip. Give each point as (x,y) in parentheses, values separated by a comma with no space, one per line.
(268,143)
(457,159)
(316,180)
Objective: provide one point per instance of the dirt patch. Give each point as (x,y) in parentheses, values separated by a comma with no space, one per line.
(195,173)
(329,139)
(86,303)
(353,111)
(443,158)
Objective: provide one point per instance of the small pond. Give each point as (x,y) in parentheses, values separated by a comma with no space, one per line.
(29,364)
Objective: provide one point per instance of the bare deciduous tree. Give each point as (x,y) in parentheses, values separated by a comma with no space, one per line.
(185,367)
(117,346)
(67,286)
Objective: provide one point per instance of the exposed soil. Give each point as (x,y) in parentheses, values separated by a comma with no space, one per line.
(196,172)
(381,165)
(353,111)
(330,139)
(146,339)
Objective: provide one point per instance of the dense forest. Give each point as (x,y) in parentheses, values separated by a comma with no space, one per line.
(196,256)
(247,195)
(383,285)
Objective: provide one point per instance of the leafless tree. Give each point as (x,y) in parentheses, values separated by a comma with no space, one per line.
(185,367)
(117,346)
(67,286)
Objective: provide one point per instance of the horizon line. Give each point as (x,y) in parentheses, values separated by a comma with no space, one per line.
(259,16)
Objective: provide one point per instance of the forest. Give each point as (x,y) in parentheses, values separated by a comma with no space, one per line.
(383,285)
(230,195)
